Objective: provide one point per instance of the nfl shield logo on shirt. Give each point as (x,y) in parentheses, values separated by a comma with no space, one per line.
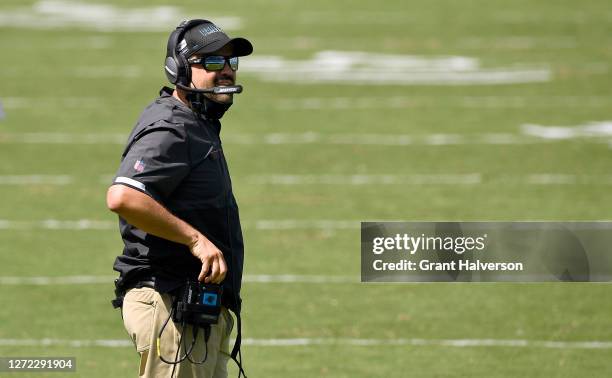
(139,166)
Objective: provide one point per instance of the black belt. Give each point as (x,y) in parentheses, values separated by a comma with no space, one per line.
(120,290)
(141,284)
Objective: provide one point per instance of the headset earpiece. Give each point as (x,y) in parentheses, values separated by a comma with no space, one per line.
(176,66)
(170,68)
(184,70)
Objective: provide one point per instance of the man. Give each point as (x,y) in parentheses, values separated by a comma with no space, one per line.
(178,217)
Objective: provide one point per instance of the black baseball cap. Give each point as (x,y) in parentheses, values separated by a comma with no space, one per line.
(207,37)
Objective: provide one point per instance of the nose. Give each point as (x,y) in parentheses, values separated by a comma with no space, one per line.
(227,69)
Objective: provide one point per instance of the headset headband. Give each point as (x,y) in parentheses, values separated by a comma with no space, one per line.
(176,65)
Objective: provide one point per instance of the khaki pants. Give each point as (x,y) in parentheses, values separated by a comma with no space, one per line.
(144,313)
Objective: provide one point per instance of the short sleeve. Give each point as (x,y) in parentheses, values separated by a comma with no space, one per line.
(155,163)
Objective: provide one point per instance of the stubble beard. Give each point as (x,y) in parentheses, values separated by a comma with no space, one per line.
(221,81)
(225,98)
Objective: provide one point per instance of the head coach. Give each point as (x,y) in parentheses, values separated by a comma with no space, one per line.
(181,266)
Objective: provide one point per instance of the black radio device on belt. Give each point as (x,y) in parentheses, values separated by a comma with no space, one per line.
(199,304)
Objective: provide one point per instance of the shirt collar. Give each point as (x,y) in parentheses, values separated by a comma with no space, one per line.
(166,93)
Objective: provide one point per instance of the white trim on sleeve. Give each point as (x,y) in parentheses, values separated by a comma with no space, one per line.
(129,181)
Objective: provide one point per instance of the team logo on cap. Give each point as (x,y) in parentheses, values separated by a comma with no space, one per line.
(182,47)
(209,29)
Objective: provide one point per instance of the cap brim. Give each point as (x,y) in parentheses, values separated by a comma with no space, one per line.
(240,46)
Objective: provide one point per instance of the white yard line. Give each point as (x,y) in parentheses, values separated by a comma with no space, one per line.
(60,280)
(345,341)
(337,102)
(360,67)
(417,179)
(251,139)
(333,179)
(531,136)
(427,179)
(66,343)
(596,132)
(259,225)
(593,130)
(247,278)
(101,225)
(461,343)
(439,139)
(470,102)
(56,14)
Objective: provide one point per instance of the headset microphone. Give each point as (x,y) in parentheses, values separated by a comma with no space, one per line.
(215,90)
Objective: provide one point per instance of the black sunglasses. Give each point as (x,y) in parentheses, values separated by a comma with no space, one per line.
(215,62)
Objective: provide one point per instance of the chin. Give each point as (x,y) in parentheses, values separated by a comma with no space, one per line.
(224,98)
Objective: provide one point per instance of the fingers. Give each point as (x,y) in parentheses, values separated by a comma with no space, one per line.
(204,270)
(218,270)
(214,268)
(222,269)
(214,272)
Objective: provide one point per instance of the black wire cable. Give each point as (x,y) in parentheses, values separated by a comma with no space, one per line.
(239,363)
(188,351)
(206,337)
(161,331)
(178,349)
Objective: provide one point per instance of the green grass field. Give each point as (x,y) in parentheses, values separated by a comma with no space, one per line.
(72,91)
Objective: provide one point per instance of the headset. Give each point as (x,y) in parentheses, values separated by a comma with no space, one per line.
(177,68)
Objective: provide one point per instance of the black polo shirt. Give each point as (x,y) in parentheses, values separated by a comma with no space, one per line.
(176,157)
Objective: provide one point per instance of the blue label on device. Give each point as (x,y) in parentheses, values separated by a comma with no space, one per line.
(209,299)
